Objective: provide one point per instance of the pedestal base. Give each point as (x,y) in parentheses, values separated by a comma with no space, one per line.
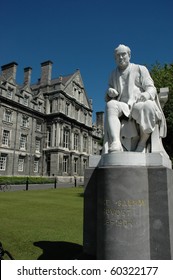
(128,212)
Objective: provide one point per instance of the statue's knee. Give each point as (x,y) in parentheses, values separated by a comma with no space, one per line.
(112,105)
(148,107)
(135,113)
(144,108)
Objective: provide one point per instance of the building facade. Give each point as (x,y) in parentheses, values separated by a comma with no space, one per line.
(46,128)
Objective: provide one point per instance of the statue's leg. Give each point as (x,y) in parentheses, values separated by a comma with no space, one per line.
(114,125)
(143,140)
(145,115)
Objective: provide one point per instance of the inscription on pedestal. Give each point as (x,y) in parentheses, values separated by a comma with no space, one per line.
(122,213)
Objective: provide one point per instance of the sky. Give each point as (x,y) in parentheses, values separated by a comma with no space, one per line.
(82,34)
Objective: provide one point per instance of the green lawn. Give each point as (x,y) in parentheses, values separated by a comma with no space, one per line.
(44,224)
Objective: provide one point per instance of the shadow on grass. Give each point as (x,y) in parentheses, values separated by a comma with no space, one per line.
(81,194)
(61,250)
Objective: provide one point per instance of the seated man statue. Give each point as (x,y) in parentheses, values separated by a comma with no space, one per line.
(131,95)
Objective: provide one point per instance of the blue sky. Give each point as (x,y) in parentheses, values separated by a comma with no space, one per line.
(80,34)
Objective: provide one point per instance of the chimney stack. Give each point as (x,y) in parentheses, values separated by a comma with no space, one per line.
(27,75)
(100,119)
(46,71)
(9,70)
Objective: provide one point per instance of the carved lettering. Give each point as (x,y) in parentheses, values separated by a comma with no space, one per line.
(120,213)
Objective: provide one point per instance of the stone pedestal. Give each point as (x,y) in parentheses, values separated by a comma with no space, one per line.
(128,212)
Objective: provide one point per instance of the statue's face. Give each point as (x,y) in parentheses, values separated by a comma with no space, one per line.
(122,58)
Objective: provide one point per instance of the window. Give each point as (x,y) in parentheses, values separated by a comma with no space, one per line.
(20,164)
(77,114)
(3,160)
(76,141)
(74,91)
(51,107)
(55,137)
(79,96)
(66,138)
(7,115)
(65,164)
(10,93)
(75,165)
(6,137)
(36,163)
(84,164)
(25,100)
(85,118)
(39,106)
(67,109)
(48,136)
(85,144)
(37,145)
(23,142)
(25,121)
(38,126)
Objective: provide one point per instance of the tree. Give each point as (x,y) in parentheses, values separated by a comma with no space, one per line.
(163,77)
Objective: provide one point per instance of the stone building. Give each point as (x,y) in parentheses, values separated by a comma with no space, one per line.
(46,128)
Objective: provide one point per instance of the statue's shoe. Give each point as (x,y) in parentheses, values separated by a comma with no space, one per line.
(116,147)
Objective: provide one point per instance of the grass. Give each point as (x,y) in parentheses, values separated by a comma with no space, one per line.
(42,224)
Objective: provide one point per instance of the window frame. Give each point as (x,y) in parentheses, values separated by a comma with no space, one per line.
(23,145)
(6,139)
(4,163)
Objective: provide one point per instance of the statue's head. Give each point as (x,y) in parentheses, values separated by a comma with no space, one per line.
(122,56)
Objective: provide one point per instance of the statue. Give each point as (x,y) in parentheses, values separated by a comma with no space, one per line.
(132,105)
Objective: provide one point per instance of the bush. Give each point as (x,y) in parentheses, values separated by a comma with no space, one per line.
(15,180)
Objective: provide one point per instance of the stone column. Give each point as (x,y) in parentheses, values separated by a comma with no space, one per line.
(58,131)
(53,134)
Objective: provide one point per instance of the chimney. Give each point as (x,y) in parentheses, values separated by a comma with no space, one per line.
(27,75)
(9,70)
(100,119)
(46,71)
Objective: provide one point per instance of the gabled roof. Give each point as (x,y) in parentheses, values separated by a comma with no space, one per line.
(61,79)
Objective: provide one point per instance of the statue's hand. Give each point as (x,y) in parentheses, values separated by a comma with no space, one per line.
(112,93)
(144,97)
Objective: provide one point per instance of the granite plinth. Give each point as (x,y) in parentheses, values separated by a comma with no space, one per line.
(130,212)
(90,212)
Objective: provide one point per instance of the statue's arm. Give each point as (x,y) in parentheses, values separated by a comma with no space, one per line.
(147,84)
(111,92)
